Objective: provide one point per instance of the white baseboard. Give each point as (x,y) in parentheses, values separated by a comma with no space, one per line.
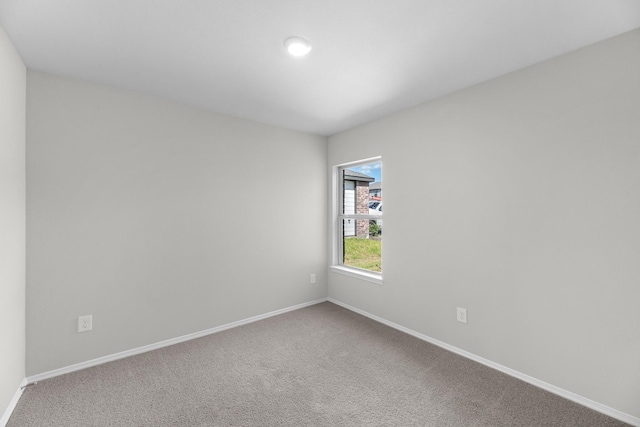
(614,413)
(172,341)
(12,405)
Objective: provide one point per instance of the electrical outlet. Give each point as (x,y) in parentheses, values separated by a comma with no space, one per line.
(312,279)
(85,323)
(462,315)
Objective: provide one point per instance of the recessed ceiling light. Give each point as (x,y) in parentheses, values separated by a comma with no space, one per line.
(297,46)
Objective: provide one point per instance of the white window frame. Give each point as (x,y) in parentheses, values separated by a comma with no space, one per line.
(337,220)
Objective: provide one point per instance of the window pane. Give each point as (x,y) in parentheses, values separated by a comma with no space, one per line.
(361,184)
(362,244)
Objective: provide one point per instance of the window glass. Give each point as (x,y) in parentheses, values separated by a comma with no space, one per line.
(360,216)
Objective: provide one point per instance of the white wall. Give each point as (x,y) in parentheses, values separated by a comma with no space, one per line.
(160,220)
(518,199)
(12,220)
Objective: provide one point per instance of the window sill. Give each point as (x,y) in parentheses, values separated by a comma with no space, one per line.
(358,274)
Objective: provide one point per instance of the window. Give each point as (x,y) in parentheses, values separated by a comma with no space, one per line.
(358,219)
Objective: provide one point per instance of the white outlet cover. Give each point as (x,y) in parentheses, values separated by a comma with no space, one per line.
(85,323)
(313,278)
(462,315)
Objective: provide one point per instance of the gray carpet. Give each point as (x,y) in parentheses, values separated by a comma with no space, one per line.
(318,366)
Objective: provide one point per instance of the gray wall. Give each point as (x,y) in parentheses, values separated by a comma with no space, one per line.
(13,78)
(160,220)
(518,199)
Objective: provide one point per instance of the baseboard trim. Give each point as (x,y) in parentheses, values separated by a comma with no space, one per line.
(166,343)
(12,405)
(614,413)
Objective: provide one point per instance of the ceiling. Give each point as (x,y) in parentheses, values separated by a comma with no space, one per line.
(370,58)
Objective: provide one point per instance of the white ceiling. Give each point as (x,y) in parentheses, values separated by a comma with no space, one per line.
(370,57)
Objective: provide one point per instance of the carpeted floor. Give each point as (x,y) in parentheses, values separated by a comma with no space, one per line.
(318,366)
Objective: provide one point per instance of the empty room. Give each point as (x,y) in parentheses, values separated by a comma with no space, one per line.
(192,229)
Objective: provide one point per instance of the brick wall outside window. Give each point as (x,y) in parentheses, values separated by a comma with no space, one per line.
(362,207)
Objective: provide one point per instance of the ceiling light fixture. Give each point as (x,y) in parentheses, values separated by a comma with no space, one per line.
(297,46)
